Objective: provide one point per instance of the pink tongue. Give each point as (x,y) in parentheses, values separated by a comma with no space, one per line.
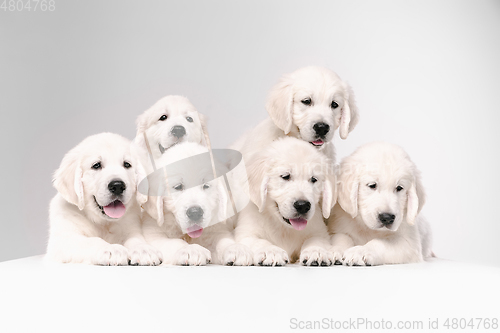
(318,142)
(194,231)
(115,209)
(298,224)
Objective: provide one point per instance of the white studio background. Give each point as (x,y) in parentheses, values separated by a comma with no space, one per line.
(425,73)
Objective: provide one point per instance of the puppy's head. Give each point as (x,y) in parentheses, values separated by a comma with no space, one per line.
(99,176)
(288,179)
(313,102)
(380,185)
(190,192)
(171,120)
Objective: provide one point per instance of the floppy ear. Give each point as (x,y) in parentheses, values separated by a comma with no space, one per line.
(68,179)
(152,202)
(140,176)
(349,115)
(223,200)
(279,104)
(257,182)
(205,139)
(154,207)
(348,190)
(142,122)
(329,197)
(416,199)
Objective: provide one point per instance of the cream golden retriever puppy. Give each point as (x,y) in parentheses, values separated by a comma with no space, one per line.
(308,104)
(171,120)
(185,204)
(95,217)
(377,219)
(284,222)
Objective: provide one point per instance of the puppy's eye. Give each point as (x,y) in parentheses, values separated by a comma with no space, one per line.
(286,176)
(399,188)
(163,117)
(189,119)
(306,101)
(127,165)
(206,186)
(179,187)
(97,166)
(334,105)
(373,186)
(314,179)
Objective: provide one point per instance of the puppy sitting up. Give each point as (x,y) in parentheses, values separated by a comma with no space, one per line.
(377,220)
(284,222)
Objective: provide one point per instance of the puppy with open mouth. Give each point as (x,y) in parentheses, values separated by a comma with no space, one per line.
(184,201)
(377,219)
(291,187)
(308,104)
(170,121)
(95,217)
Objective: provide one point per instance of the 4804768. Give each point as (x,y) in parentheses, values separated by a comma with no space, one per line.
(28,5)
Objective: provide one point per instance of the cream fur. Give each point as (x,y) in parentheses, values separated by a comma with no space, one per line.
(79,231)
(165,220)
(358,236)
(179,112)
(262,226)
(288,116)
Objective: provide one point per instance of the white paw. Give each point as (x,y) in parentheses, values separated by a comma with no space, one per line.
(237,255)
(359,256)
(338,254)
(316,256)
(111,255)
(193,255)
(271,256)
(145,255)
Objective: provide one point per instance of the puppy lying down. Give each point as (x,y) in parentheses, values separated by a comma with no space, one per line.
(95,217)
(284,222)
(184,206)
(377,220)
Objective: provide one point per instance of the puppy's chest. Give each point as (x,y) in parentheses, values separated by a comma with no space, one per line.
(112,233)
(290,242)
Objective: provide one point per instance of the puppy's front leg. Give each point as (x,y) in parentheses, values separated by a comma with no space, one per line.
(314,252)
(265,253)
(230,253)
(175,251)
(68,243)
(390,250)
(340,243)
(140,252)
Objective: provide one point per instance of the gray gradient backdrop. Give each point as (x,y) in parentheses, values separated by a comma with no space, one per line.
(426,75)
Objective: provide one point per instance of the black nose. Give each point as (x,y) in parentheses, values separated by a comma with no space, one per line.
(321,129)
(302,206)
(116,187)
(194,213)
(178,131)
(386,218)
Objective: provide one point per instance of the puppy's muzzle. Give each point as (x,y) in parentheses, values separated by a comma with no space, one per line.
(178,131)
(386,218)
(321,129)
(117,187)
(195,213)
(302,206)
